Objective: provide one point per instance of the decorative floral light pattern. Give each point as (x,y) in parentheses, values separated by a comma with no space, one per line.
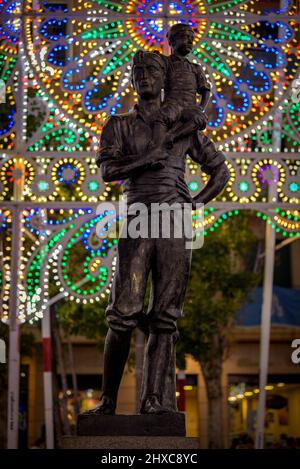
(84,66)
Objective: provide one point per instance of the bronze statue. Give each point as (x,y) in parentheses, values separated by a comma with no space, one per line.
(139,149)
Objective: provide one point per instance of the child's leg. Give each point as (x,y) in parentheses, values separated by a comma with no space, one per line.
(180,130)
(191,119)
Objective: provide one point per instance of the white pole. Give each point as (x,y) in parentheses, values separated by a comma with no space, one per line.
(14,333)
(267,296)
(47,355)
(14,300)
(267,300)
(47,375)
(265,333)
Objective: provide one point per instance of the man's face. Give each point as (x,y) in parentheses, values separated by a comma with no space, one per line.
(148,79)
(182,42)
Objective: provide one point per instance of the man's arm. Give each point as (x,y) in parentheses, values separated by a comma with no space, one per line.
(212,162)
(217,182)
(114,165)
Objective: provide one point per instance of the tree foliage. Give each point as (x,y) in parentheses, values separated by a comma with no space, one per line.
(83,319)
(221,278)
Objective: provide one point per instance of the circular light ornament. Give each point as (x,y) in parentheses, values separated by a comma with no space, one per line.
(14,172)
(68,174)
(269,172)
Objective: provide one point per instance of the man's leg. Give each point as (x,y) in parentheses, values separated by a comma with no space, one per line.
(169,280)
(116,350)
(158,358)
(123,312)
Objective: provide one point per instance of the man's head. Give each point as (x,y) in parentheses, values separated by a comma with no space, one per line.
(148,73)
(181,38)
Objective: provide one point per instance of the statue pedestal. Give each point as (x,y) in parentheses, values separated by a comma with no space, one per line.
(166,431)
(171,424)
(129,442)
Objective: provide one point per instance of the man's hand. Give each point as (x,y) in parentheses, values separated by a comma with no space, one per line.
(219,177)
(157,165)
(157,155)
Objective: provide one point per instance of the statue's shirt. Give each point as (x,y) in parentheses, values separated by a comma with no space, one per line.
(128,136)
(184,80)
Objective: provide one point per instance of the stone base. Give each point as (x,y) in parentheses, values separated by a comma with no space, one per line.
(129,442)
(172,424)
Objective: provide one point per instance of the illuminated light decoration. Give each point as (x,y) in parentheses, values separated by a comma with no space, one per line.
(213,219)
(35,218)
(108,31)
(51,252)
(269,172)
(15,171)
(57,25)
(244,186)
(63,139)
(193,186)
(56,6)
(58,56)
(97,272)
(99,245)
(10,25)
(248,61)
(82,180)
(43,185)
(294,187)
(92,188)
(6,278)
(3,219)
(7,118)
(285,222)
(94,185)
(35,222)
(261,137)
(68,172)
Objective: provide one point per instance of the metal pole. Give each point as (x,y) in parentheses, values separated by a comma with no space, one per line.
(14,336)
(265,333)
(267,295)
(47,360)
(47,371)
(14,301)
(47,375)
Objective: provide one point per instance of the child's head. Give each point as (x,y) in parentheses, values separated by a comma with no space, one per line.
(181,37)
